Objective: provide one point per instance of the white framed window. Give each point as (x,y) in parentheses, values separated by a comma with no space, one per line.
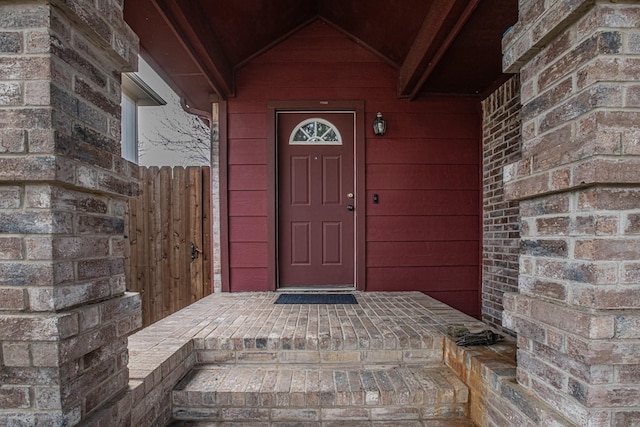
(315,131)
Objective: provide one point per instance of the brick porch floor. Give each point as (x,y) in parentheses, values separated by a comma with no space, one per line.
(246,361)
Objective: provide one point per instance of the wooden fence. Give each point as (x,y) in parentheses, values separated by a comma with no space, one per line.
(169,230)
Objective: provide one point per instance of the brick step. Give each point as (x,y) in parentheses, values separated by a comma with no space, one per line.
(379,329)
(306,393)
(374,348)
(462,422)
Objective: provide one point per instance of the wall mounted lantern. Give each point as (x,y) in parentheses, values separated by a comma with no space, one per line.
(379,125)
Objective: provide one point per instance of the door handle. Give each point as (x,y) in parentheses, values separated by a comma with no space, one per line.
(351,208)
(195,251)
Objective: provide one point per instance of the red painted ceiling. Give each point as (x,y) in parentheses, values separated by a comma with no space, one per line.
(437,46)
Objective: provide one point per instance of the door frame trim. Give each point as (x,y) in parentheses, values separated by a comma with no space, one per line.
(359,167)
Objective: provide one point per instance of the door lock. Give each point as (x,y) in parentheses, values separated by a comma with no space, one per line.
(351,208)
(350,195)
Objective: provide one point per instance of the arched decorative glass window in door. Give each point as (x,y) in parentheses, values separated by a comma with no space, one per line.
(315,131)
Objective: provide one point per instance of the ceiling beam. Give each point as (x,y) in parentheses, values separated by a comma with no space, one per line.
(439,29)
(187,22)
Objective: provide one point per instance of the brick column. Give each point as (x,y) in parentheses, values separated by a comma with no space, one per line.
(577,310)
(64,312)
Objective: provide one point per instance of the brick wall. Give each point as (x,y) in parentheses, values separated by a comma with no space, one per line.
(495,398)
(501,145)
(577,311)
(64,312)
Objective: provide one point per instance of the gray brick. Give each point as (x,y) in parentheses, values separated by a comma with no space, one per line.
(45,354)
(10,197)
(11,299)
(10,94)
(17,16)
(11,248)
(25,274)
(24,68)
(37,168)
(35,222)
(105,267)
(10,42)
(47,398)
(37,93)
(37,42)
(80,247)
(25,118)
(14,397)
(12,140)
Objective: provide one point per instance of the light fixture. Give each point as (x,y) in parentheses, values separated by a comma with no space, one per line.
(379,125)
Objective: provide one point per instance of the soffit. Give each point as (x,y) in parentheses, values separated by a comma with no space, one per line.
(437,46)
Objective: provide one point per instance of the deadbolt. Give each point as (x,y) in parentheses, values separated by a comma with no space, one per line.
(350,195)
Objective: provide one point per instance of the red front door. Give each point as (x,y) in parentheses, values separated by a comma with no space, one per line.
(316,199)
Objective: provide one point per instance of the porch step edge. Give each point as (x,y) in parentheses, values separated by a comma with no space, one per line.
(426,357)
(313,394)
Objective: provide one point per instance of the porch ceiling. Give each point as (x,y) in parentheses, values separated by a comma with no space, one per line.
(436,46)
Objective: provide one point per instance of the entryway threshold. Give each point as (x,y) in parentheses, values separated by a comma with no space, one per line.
(317,289)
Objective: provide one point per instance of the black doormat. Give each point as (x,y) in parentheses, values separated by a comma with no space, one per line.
(316,299)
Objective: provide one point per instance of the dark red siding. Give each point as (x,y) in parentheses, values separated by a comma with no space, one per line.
(424,233)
